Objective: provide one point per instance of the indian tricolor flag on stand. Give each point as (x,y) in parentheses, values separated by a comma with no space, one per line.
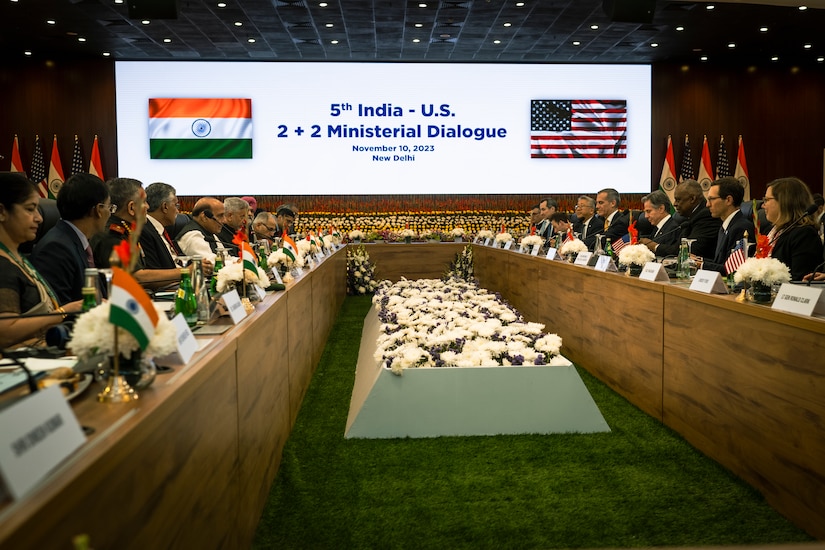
(131,308)
(250,261)
(200,128)
(289,246)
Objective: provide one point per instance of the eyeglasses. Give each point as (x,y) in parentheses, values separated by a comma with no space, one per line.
(711,199)
(112,208)
(766,199)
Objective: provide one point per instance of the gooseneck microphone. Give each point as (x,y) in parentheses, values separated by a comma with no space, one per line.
(817,268)
(808,211)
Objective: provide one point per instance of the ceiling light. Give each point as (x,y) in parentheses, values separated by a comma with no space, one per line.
(577,43)
(803,8)
(333,41)
(145,21)
(763,29)
(731,44)
(329,25)
(416,40)
(820,59)
(703,58)
(496,41)
(238,24)
(709,7)
(507,24)
(106,54)
(422,5)
(594,27)
(167,40)
(323,4)
(251,40)
(221,4)
(654,44)
(81,39)
(775,58)
(807,46)
(419,25)
(680,28)
(50,21)
(519,4)
(27,52)
(118,1)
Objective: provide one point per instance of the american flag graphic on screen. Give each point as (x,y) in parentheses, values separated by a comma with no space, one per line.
(578,128)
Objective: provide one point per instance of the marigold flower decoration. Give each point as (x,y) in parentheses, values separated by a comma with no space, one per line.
(763,244)
(634,233)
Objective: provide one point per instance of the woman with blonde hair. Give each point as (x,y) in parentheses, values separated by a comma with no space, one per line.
(794,238)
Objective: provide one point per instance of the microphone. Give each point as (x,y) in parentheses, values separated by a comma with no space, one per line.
(817,268)
(808,211)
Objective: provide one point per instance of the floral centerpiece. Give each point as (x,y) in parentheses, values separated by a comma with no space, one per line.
(462,267)
(761,274)
(433,323)
(457,233)
(408,234)
(485,234)
(360,272)
(433,235)
(503,238)
(532,240)
(635,256)
(284,260)
(232,273)
(356,235)
(572,247)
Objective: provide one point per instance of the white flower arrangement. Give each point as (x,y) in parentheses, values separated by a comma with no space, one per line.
(532,240)
(767,271)
(93,334)
(457,232)
(360,271)
(231,274)
(406,232)
(636,254)
(573,246)
(279,258)
(453,323)
(305,247)
(356,234)
(329,241)
(504,237)
(485,234)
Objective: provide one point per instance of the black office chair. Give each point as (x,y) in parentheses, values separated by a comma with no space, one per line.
(181,220)
(48,209)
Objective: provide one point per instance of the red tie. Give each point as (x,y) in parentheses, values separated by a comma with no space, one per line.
(172,244)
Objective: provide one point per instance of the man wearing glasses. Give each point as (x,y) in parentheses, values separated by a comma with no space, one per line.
(689,201)
(589,224)
(64,253)
(724,201)
(263,227)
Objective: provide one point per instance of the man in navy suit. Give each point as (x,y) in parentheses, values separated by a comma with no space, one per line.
(589,225)
(665,227)
(607,207)
(63,254)
(547,207)
(724,201)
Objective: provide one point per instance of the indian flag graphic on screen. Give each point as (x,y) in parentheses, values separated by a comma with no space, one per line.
(200,128)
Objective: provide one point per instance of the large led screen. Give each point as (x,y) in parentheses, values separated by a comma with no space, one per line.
(383,128)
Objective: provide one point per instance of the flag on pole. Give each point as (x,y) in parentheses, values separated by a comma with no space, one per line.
(736,258)
(56,177)
(16,161)
(200,128)
(667,181)
(95,166)
(289,246)
(131,309)
(741,172)
(38,175)
(686,170)
(722,164)
(248,257)
(705,177)
(77,158)
(621,243)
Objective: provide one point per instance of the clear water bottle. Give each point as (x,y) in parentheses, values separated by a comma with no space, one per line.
(683,266)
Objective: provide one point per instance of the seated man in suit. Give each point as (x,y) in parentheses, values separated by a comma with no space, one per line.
(561,225)
(547,207)
(285,219)
(724,201)
(263,227)
(534,216)
(589,224)
(235,217)
(657,212)
(64,253)
(607,207)
(198,237)
(689,201)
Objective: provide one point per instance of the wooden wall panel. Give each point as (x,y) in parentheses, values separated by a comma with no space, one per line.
(328,290)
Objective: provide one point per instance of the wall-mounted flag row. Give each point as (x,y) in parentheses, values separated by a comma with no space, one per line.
(49,178)
(705,175)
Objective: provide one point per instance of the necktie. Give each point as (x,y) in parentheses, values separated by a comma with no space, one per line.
(172,246)
(90,258)
(658,230)
(720,245)
(606,224)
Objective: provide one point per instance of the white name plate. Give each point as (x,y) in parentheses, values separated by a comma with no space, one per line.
(605,264)
(653,271)
(553,254)
(277,275)
(186,343)
(521,248)
(234,306)
(536,250)
(801,299)
(507,245)
(582,258)
(259,291)
(36,434)
(487,241)
(709,282)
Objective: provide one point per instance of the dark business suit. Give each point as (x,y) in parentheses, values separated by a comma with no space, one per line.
(726,240)
(618,227)
(668,235)
(61,260)
(799,248)
(155,254)
(588,231)
(700,226)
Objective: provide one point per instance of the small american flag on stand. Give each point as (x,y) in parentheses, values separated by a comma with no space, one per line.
(737,257)
(578,128)
(621,243)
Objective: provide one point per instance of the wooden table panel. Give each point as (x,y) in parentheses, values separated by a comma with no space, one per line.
(413,261)
(299,329)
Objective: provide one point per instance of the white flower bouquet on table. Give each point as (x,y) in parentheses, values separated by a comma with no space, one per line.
(356,235)
(573,246)
(279,258)
(636,254)
(232,273)
(503,238)
(93,334)
(485,234)
(305,247)
(768,271)
(329,241)
(407,232)
(457,232)
(433,323)
(360,272)
(532,240)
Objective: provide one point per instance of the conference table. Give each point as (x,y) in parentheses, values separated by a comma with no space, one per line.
(190,464)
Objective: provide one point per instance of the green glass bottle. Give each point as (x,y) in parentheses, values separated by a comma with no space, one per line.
(213,284)
(89,298)
(185,300)
(608,249)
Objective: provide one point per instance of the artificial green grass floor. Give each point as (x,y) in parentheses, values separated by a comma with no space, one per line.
(639,485)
